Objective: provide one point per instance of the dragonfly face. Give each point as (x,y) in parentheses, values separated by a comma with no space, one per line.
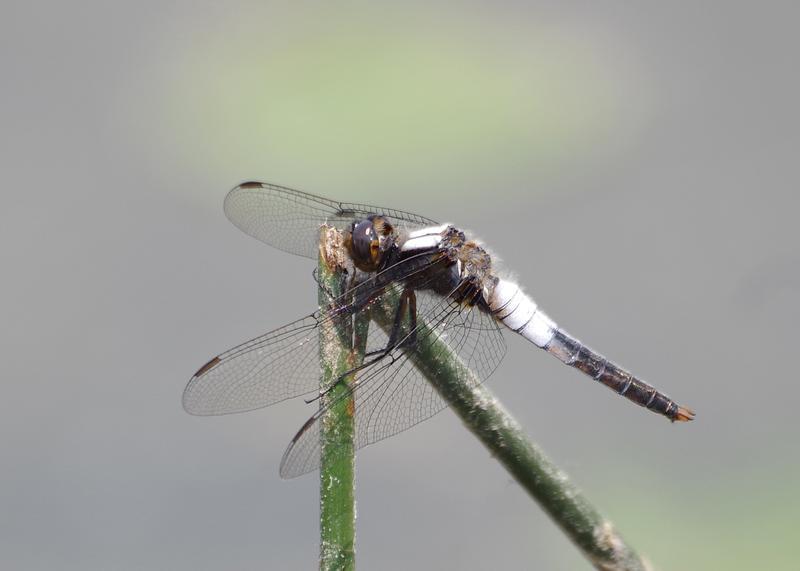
(369,242)
(447,295)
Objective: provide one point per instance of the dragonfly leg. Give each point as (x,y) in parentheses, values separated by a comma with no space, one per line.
(378,355)
(407,307)
(405,319)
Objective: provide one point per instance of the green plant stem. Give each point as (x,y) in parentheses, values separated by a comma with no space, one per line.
(480,411)
(340,350)
(342,346)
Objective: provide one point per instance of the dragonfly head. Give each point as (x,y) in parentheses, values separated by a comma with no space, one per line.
(367,241)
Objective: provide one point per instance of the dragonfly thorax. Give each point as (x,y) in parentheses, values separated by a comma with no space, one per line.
(464,267)
(433,310)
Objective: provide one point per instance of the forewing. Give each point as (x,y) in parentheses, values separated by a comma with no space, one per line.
(290,219)
(392,395)
(284,363)
(278,365)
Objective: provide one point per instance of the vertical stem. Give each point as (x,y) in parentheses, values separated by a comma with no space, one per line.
(337,472)
(342,347)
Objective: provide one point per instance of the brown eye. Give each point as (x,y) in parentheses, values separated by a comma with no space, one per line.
(365,245)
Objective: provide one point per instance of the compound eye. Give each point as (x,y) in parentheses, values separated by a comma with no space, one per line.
(366,246)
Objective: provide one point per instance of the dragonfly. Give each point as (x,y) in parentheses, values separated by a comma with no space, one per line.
(447,297)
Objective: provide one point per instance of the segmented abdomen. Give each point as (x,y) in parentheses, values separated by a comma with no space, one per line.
(517,311)
(575,354)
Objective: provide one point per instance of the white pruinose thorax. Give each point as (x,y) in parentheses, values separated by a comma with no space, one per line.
(424,238)
(520,313)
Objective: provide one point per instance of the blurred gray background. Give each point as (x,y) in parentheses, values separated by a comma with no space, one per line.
(634,165)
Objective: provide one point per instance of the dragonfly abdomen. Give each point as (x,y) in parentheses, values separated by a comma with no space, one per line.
(517,311)
(575,354)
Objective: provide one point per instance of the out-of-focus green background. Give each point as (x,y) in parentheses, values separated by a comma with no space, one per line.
(635,166)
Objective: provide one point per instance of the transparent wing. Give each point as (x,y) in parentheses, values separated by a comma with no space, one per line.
(289,219)
(283,363)
(392,395)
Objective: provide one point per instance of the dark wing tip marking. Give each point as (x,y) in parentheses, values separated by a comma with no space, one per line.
(251,184)
(285,471)
(207,367)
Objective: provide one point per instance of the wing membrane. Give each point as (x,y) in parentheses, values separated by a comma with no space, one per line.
(278,365)
(283,363)
(290,219)
(392,395)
